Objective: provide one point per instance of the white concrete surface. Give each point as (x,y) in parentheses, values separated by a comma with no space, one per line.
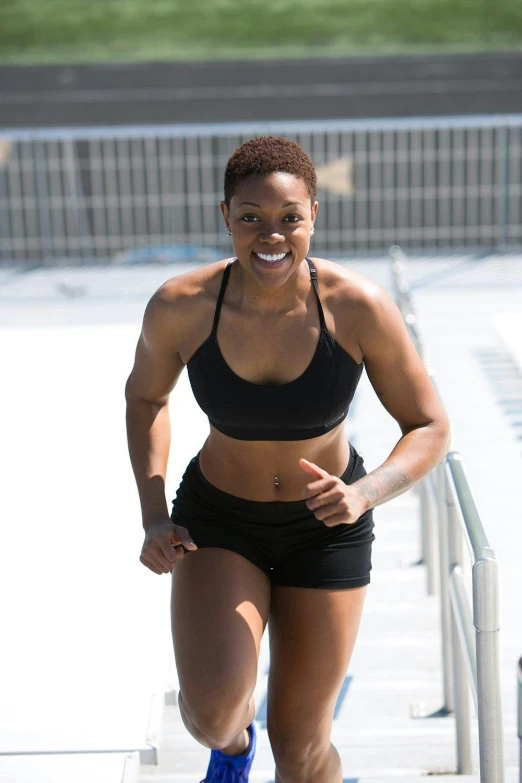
(80,768)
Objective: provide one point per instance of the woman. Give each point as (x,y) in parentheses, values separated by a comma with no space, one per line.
(272,521)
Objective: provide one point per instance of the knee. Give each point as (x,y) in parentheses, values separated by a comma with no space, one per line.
(216,720)
(297,748)
(216,726)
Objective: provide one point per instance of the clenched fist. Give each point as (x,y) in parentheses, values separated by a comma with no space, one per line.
(332,501)
(165,544)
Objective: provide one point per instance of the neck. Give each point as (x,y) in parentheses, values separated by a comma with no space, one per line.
(265,301)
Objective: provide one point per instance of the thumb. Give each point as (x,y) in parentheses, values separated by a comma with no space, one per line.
(313,469)
(182,537)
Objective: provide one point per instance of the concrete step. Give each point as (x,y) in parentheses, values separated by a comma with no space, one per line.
(65,768)
(268,777)
(404,748)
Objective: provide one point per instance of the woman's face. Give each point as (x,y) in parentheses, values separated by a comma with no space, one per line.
(270,217)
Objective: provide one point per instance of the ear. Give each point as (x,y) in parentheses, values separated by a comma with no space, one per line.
(225,211)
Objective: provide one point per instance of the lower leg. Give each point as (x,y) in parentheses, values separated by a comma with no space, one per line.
(235,744)
(238,745)
(323,769)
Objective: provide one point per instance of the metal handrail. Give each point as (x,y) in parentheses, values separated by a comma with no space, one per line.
(464,622)
(472,524)
(469,639)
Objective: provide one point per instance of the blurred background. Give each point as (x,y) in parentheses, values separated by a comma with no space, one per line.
(117,118)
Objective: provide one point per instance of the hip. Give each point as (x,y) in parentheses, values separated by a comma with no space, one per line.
(199,502)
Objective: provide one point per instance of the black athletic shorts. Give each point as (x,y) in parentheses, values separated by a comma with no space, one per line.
(283,538)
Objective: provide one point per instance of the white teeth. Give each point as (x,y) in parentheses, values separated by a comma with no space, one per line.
(271,258)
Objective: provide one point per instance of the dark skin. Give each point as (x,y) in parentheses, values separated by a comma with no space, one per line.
(268,332)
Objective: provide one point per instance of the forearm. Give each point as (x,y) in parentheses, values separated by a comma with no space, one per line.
(148,435)
(414,456)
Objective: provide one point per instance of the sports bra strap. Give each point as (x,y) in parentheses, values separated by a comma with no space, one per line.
(313,276)
(224,282)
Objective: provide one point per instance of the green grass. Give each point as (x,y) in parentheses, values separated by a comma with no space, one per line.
(46,31)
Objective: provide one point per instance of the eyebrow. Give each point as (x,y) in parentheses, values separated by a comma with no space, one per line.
(286,204)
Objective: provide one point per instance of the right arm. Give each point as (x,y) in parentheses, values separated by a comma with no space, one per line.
(157,367)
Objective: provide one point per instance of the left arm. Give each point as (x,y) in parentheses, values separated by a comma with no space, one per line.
(405,389)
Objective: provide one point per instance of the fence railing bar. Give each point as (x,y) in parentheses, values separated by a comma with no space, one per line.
(470,516)
(461,685)
(464,623)
(445,603)
(519,684)
(259,128)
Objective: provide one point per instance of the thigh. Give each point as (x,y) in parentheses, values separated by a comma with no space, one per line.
(219,609)
(312,636)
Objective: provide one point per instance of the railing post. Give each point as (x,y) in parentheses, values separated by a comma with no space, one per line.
(460,674)
(520,717)
(428,526)
(445,608)
(428,534)
(462,713)
(504,228)
(487,626)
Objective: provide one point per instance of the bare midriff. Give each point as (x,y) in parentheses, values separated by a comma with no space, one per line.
(270,470)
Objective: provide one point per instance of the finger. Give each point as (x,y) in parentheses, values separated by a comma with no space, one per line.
(316,487)
(336,519)
(332,497)
(161,552)
(167,552)
(181,553)
(333,509)
(171,544)
(312,468)
(174,547)
(180,535)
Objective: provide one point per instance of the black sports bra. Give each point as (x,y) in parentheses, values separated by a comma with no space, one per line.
(312,404)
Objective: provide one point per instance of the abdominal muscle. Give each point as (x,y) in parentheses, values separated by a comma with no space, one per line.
(247,469)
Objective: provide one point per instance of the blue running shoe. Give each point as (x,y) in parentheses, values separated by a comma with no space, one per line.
(231,769)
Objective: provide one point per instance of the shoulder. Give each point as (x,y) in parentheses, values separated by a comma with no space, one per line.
(340,286)
(186,298)
(188,287)
(364,317)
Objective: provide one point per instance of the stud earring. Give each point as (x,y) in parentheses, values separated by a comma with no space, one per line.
(312,230)
(228,231)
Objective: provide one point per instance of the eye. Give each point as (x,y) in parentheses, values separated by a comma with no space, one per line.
(297,218)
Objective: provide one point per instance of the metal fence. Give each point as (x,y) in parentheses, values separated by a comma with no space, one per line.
(84,195)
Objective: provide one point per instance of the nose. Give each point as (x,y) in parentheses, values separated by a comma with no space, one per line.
(272,236)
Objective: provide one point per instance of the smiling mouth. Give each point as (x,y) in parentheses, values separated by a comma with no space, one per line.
(272,258)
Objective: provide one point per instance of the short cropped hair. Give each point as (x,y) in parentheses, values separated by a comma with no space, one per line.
(266,155)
